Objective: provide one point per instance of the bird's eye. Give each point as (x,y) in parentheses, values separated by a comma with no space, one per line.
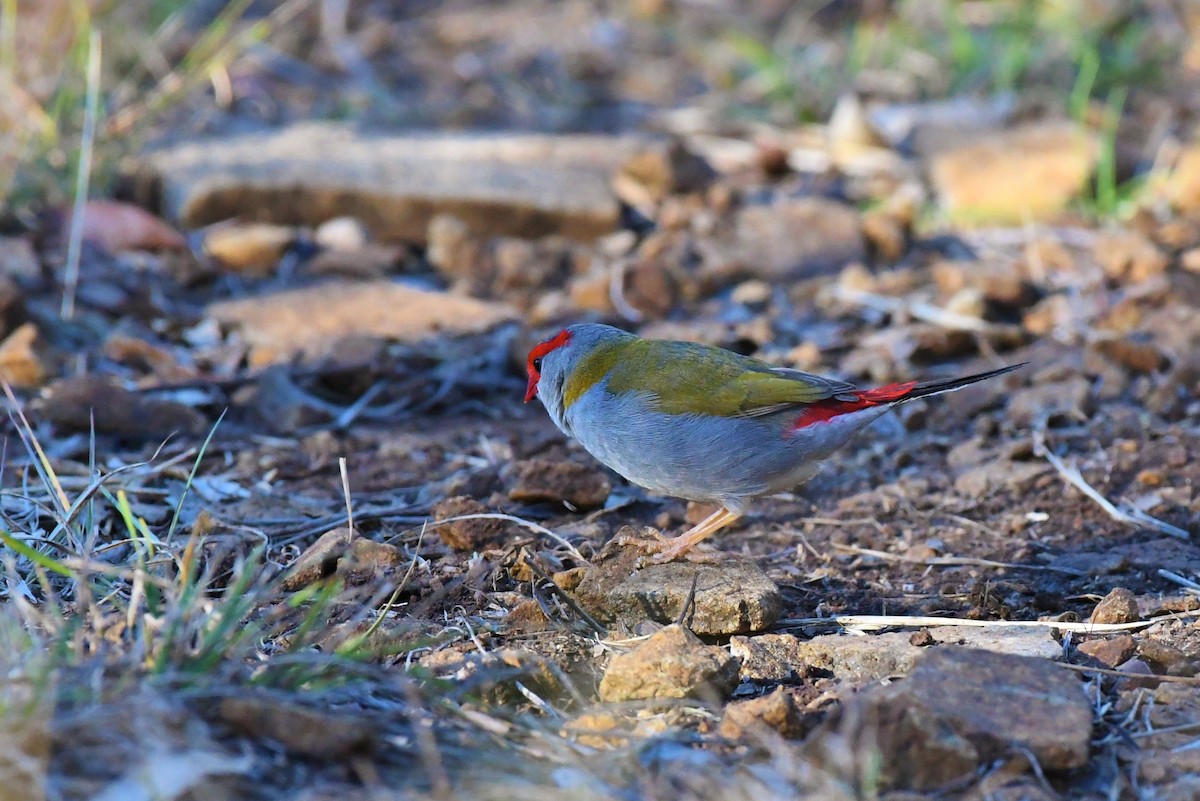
(537,364)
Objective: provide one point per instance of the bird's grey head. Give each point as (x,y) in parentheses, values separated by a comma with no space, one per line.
(552,363)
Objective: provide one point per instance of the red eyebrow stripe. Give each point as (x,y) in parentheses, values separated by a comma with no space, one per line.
(824,410)
(554,343)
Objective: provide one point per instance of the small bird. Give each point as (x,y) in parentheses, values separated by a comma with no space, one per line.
(699,422)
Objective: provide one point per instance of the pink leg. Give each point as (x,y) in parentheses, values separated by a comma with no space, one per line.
(684,543)
(668,549)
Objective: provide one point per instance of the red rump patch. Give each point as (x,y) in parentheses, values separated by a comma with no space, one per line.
(824,410)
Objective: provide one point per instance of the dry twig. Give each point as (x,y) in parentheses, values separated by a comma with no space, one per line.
(1125,513)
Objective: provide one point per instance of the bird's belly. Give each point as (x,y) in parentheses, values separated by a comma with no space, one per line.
(690,456)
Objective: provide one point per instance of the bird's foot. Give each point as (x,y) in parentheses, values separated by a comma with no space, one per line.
(660,549)
(646,539)
(674,553)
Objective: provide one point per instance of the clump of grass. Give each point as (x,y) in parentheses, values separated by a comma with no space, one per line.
(948,48)
(45,113)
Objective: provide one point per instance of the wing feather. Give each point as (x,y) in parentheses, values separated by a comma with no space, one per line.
(687,378)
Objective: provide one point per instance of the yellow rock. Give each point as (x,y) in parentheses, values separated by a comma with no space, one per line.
(19,363)
(1028,173)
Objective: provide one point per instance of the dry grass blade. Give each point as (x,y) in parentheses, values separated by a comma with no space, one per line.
(877,622)
(951,561)
(346,494)
(41,463)
(1188,585)
(191,477)
(925,312)
(352,645)
(83,177)
(1193,680)
(1124,514)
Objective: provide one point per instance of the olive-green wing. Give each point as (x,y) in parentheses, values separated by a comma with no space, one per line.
(687,378)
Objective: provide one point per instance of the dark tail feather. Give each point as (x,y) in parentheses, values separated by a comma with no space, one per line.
(938,387)
(860,399)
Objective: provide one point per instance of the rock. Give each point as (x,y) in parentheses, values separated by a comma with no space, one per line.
(342,233)
(962,708)
(979,480)
(76,404)
(1110,651)
(1028,405)
(253,250)
(523,185)
(522,266)
(455,251)
(851,140)
(929,126)
(20,364)
(309,732)
(117,227)
(731,597)
(1030,172)
(592,291)
(776,711)
(467,535)
(18,259)
(1129,256)
(498,675)
(1167,658)
(782,657)
(786,658)
(1168,603)
(1170,768)
(370,261)
(310,322)
(1091,563)
(605,729)
(652,174)
(754,294)
(526,617)
(886,236)
(1139,354)
(140,354)
(672,663)
(1182,187)
(650,289)
(598,730)
(544,480)
(769,658)
(921,638)
(357,561)
(1190,260)
(1136,673)
(1031,641)
(1054,313)
(1119,606)
(792,239)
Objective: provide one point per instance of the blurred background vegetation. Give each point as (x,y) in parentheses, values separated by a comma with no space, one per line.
(177,67)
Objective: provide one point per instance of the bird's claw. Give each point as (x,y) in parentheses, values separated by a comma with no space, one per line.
(673,554)
(648,538)
(660,549)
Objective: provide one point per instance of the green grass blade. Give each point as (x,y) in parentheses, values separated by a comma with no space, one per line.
(36,556)
(191,477)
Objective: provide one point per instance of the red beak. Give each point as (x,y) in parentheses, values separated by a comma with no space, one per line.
(531,389)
